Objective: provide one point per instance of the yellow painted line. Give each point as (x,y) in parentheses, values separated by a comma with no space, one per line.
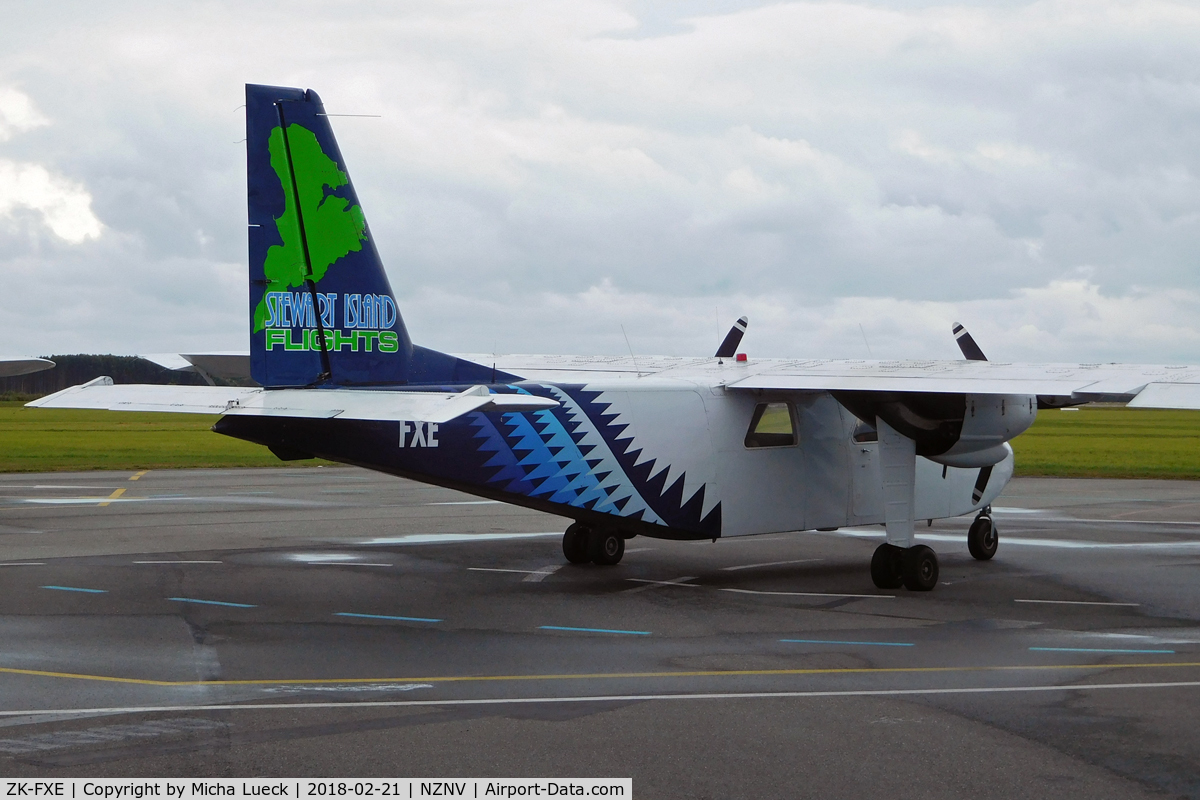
(104,678)
(114,495)
(605,675)
(135,476)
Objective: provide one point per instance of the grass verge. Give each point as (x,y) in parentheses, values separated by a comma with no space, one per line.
(51,440)
(1111,442)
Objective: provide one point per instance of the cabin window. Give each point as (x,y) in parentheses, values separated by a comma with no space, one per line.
(771,426)
(864,432)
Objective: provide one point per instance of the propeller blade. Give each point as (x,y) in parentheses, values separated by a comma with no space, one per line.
(732,339)
(970,350)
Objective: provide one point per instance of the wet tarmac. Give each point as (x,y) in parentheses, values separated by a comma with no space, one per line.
(333,622)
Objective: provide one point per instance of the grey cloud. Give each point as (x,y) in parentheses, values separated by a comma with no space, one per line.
(813,152)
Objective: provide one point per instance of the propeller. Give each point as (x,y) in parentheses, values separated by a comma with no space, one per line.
(732,339)
(970,350)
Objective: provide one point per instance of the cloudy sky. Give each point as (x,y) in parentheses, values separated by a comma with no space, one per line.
(854,176)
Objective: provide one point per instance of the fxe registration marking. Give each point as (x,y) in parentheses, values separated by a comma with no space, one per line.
(419,434)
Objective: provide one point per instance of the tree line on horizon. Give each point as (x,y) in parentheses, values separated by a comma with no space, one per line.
(71,370)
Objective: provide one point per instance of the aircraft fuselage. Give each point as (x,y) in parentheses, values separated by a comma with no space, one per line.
(667,459)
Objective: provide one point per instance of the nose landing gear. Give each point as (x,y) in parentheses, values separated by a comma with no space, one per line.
(983,538)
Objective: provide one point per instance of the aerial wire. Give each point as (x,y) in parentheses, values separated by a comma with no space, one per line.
(631,355)
(868,344)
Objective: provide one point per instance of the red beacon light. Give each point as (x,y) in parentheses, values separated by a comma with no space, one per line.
(741,358)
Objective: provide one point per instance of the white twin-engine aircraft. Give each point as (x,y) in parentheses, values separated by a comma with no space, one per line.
(13,366)
(674,448)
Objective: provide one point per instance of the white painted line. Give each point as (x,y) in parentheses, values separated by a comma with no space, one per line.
(77,501)
(648,584)
(1119,521)
(539,575)
(771,564)
(24,564)
(353,688)
(673,582)
(54,486)
(811,594)
(1075,603)
(1018,541)
(174,498)
(497,569)
(468,503)
(342,564)
(324,558)
(178,562)
(453,538)
(640,549)
(56,740)
(618,698)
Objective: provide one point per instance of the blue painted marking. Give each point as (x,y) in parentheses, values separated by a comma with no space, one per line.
(826,641)
(384,616)
(210,602)
(591,630)
(76,589)
(1094,650)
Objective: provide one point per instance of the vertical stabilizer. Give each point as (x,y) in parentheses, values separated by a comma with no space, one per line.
(321,309)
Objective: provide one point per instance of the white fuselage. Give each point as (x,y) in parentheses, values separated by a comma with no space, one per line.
(697,429)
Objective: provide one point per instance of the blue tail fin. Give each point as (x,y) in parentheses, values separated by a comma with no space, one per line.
(321,309)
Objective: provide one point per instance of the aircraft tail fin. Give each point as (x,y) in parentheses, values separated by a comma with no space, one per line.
(321,309)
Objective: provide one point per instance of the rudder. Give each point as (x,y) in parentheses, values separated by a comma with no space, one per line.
(321,309)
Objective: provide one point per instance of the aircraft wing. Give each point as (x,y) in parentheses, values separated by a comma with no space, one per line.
(12,366)
(228,365)
(359,404)
(1145,386)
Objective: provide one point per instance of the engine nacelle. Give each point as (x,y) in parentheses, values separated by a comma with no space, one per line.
(960,430)
(977,458)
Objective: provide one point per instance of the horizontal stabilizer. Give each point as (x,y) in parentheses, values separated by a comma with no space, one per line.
(102,395)
(358,404)
(363,404)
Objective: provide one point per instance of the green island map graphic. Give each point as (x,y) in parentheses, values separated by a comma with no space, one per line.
(332,229)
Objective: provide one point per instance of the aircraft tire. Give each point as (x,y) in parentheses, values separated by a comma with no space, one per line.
(920,569)
(983,538)
(607,547)
(886,566)
(576,544)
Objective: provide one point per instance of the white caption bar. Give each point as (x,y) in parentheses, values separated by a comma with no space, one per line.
(190,789)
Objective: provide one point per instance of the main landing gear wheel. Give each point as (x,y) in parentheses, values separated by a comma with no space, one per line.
(887,566)
(920,569)
(983,538)
(575,544)
(606,547)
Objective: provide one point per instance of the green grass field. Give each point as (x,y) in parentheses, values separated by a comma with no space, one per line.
(1108,442)
(48,440)
(1111,442)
